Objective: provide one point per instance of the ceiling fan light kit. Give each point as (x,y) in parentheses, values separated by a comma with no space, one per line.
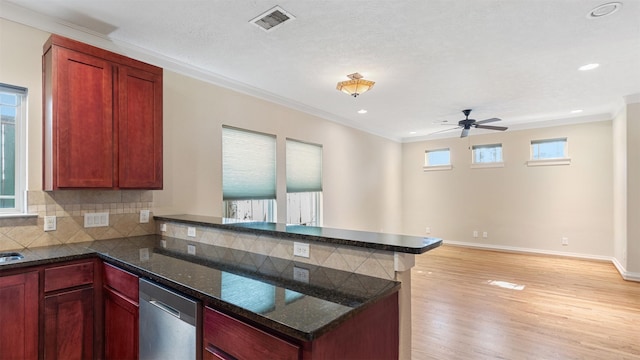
(356,86)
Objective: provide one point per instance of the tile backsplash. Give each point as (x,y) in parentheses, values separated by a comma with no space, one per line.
(358,260)
(69,207)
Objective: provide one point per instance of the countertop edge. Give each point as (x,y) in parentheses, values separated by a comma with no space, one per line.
(296,236)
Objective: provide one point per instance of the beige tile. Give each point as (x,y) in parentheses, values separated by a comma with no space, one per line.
(45,239)
(25,235)
(7,243)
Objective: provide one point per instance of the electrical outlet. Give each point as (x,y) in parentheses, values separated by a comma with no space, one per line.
(163,227)
(475,233)
(191,249)
(96,219)
(191,231)
(301,249)
(428,230)
(301,274)
(565,241)
(144,216)
(49,223)
(163,244)
(485,234)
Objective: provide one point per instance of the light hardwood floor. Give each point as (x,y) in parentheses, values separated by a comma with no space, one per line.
(568,309)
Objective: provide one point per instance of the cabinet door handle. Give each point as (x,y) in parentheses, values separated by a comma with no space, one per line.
(218,353)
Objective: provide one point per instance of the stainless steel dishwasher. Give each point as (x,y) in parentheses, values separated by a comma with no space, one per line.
(169,324)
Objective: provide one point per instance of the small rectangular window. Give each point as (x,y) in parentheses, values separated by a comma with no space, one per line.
(487,154)
(549,152)
(439,159)
(548,149)
(13,110)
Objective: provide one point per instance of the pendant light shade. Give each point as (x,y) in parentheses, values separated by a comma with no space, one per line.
(356,86)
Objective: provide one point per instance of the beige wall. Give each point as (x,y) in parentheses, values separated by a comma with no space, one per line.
(361,172)
(520,207)
(633,191)
(620,187)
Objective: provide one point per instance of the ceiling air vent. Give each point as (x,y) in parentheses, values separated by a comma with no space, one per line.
(272,19)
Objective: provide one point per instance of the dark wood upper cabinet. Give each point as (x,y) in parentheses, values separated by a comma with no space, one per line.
(102,122)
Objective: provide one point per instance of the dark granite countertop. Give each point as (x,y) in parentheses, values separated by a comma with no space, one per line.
(299,300)
(371,240)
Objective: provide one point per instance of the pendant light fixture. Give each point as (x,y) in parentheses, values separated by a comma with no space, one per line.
(356,86)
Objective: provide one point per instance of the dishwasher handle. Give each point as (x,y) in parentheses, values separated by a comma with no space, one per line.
(164,307)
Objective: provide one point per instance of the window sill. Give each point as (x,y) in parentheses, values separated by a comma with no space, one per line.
(437,168)
(17,216)
(487,165)
(549,162)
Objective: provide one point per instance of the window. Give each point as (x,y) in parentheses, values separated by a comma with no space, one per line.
(13,114)
(549,152)
(304,183)
(487,155)
(248,175)
(439,159)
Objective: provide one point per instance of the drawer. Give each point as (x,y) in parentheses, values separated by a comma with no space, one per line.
(228,338)
(66,276)
(121,281)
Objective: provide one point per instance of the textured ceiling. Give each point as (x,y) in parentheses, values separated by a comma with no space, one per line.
(512,59)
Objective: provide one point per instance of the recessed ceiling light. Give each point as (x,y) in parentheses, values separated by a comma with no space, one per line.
(576,111)
(604,10)
(362,111)
(588,67)
(412,132)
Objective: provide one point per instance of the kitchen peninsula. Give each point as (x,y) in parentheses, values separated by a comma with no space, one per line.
(387,256)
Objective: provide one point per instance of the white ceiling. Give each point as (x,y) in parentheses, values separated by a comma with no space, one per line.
(512,59)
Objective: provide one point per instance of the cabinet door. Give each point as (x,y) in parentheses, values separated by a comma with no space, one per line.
(68,325)
(139,129)
(19,316)
(120,326)
(82,121)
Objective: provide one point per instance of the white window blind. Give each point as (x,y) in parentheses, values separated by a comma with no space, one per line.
(304,167)
(248,164)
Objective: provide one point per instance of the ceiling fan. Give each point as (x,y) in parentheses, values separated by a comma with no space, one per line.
(467,124)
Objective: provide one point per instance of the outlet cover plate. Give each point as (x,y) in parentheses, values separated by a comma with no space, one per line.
(144,216)
(301,249)
(191,231)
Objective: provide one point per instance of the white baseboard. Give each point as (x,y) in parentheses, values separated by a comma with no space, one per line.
(627,275)
(623,272)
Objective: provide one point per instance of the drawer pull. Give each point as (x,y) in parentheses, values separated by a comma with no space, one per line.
(219,353)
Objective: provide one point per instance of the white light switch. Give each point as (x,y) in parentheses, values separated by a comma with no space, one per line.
(49,223)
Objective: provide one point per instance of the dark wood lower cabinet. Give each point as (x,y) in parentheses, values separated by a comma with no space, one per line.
(68,325)
(120,326)
(19,316)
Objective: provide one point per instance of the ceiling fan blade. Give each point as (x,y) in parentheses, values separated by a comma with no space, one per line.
(465,133)
(443,131)
(499,128)
(487,121)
